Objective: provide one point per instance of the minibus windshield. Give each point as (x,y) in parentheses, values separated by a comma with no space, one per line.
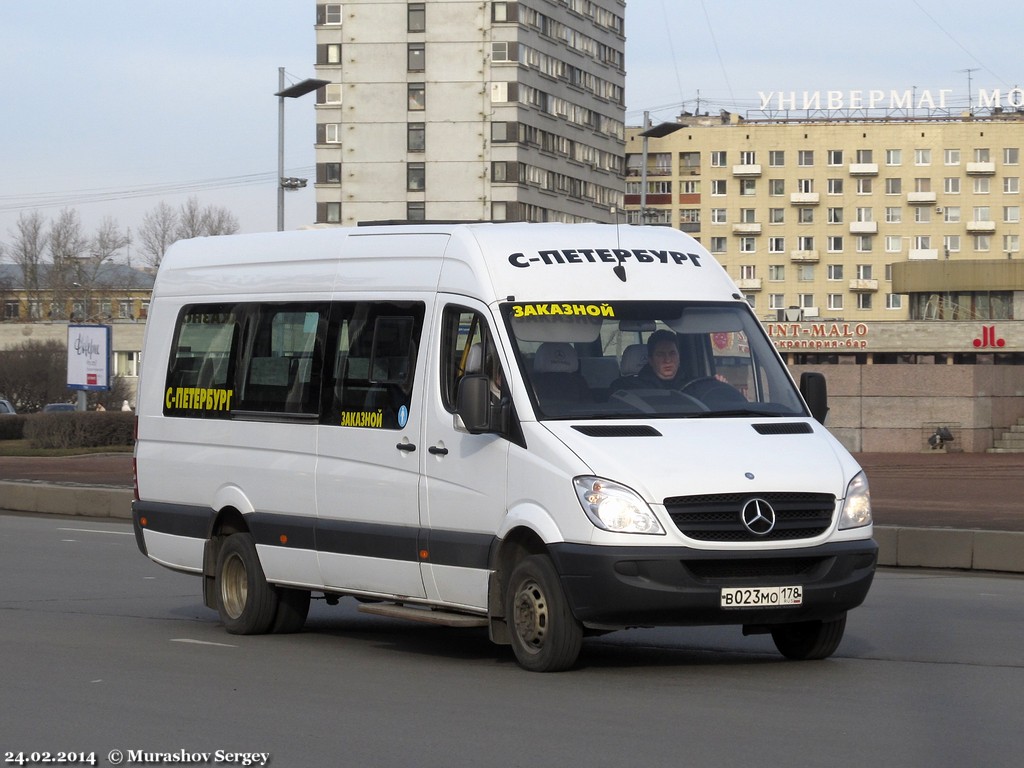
(666,359)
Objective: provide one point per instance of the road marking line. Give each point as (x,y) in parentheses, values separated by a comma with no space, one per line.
(95,530)
(200,642)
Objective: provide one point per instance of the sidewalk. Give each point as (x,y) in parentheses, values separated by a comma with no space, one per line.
(936,510)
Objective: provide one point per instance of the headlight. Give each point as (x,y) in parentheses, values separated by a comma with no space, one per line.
(614,507)
(857,506)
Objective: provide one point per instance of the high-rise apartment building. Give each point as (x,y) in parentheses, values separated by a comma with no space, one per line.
(469,110)
(903,218)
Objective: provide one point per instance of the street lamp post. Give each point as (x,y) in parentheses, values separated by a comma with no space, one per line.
(291,92)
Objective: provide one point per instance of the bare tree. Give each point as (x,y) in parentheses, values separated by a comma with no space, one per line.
(67,246)
(27,251)
(157,233)
(191,219)
(219,221)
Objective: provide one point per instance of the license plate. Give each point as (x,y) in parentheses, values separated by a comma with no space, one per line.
(761,597)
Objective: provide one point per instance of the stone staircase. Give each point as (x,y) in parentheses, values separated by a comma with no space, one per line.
(1012,440)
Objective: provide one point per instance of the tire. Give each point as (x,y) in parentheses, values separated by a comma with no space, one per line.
(545,635)
(809,640)
(246,603)
(292,609)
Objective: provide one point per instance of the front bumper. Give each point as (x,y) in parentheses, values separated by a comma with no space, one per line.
(611,587)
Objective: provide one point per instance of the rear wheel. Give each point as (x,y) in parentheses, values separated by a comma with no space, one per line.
(247,604)
(545,635)
(809,640)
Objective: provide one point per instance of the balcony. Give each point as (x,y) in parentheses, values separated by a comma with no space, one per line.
(863,227)
(749,283)
(923,254)
(747,228)
(752,170)
(981,169)
(863,169)
(804,257)
(805,198)
(921,198)
(981,227)
(861,285)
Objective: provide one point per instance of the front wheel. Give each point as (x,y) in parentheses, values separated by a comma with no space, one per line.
(809,640)
(545,635)
(247,604)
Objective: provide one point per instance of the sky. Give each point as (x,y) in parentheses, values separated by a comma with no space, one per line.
(110,107)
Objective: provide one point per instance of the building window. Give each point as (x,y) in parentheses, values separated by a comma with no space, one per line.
(502,12)
(805,243)
(748,244)
(922,214)
(982,213)
(805,215)
(865,214)
(951,214)
(863,301)
(893,215)
(894,157)
(332,93)
(1011,156)
(748,272)
(718,187)
(415,177)
(417,57)
(864,271)
(982,185)
(1011,185)
(893,244)
(835,215)
(805,300)
(835,244)
(951,157)
(332,13)
(893,186)
(332,133)
(922,157)
(332,213)
(417,97)
(718,244)
(805,273)
(776,215)
(835,157)
(864,186)
(776,187)
(777,301)
(982,243)
(416,137)
(865,156)
(805,157)
(748,157)
(776,158)
(1011,243)
(748,186)
(951,243)
(776,245)
(1011,214)
(835,186)
(718,216)
(330,173)
(417,17)
(328,54)
(776,272)
(835,271)
(894,301)
(747,216)
(865,243)
(416,211)
(981,155)
(503,52)
(718,159)
(951,185)
(805,186)
(835,302)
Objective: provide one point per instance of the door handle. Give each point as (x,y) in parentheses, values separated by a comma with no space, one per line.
(437,450)
(407,447)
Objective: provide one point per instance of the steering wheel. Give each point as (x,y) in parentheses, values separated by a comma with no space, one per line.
(713,391)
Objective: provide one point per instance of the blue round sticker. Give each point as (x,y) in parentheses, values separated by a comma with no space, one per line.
(403,416)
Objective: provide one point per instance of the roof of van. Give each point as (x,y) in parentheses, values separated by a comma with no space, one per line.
(530,262)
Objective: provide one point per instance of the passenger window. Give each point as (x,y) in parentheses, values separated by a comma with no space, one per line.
(283,360)
(467,346)
(375,347)
(201,368)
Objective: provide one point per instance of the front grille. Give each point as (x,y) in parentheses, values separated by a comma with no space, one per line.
(718,516)
(764,568)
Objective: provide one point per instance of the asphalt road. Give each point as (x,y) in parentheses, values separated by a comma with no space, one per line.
(105,650)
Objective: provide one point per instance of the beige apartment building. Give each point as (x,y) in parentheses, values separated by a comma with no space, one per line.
(460,110)
(885,224)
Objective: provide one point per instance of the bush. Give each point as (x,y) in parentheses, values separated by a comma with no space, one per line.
(12,427)
(80,430)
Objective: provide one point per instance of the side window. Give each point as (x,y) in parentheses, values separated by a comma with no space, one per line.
(466,347)
(200,372)
(374,347)
(283,359)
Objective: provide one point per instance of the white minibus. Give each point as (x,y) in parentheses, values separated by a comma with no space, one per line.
(545,430)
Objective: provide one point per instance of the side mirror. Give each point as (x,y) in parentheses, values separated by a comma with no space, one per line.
(815,393)
(472,403)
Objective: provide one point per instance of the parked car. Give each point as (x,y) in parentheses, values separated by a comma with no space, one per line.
(55,407)
(6,408)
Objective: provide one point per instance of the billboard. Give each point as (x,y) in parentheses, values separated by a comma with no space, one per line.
(89,357)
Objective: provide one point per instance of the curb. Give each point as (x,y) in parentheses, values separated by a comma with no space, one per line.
(898,547)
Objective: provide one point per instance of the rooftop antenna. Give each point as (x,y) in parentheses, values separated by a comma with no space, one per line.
(970,94)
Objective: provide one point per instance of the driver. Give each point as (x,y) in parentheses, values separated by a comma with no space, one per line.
(662,369)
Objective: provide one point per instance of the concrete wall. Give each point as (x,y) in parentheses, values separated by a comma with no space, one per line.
(895,408)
